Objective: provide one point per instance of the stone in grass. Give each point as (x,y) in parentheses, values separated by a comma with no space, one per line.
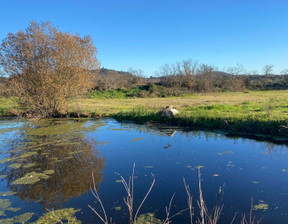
(168,111)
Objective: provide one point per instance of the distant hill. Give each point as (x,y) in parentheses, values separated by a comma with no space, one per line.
(105,71)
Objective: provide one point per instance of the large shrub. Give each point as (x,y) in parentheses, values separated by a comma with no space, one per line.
(46,67)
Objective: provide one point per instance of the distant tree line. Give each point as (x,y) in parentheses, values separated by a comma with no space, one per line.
(106,79)
(181,78)
(201,78)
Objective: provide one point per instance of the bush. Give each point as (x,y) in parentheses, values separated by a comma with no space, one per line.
(47,67)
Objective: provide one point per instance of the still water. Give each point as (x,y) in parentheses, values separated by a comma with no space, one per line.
(48,165)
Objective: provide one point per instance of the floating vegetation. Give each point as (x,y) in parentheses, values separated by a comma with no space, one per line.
(284,170)
(5,206)
(28,154)
(23,156)
(189,166)
(228,152)
(255,182)
(4,160)
(219,154)
(199,167)
(33,177)
(261,206)
(103,143)
(136,139)
(118,181)
(118,129)
(7,193)
(59,216)
(118,208)
(29,165)
(62,128)
(18,219)
(148,218)
(148,167)
(2,176)
(49,172)
(75,152)
(15,165)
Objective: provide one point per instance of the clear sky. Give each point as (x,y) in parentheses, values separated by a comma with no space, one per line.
(145,34)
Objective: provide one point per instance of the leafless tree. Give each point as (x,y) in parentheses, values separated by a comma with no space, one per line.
(268,69)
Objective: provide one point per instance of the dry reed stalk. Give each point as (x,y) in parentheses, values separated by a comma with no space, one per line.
(205,216)
(129,187)
(252,219)
(169,217)
(96,195)
(189,200)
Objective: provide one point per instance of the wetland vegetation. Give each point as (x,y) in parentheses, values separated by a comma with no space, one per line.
(48,164)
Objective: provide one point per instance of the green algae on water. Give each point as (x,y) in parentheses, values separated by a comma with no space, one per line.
(49,172)
(118,208)
(27,154)
(62,128)
(15,165)
(63,215)
(4,160)
(199,167)
(18,219)
(5,205)
(33,177)
(261,206)
(2,176)
(136,139)
(148,218)
(7,193)
(29,165)
(228,152)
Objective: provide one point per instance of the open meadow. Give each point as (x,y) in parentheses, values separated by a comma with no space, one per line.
(261,112)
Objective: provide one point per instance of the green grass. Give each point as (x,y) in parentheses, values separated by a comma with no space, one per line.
(115,93)
(8,105)
(255,112)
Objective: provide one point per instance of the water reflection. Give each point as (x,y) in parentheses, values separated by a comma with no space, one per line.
(51,162)
(50,169)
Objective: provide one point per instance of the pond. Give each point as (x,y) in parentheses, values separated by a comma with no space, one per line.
(49,165)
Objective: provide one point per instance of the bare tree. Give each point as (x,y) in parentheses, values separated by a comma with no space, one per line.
(284,72)
(238,69)
(268,69)
(47,67)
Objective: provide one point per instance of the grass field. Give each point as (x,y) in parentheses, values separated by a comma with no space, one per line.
(263,112)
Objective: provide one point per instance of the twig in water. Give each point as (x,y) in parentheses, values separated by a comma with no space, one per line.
(96,195)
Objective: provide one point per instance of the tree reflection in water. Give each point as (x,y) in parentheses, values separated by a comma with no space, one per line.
(69,155)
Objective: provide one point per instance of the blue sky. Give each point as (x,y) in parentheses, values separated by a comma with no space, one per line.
(145,34)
